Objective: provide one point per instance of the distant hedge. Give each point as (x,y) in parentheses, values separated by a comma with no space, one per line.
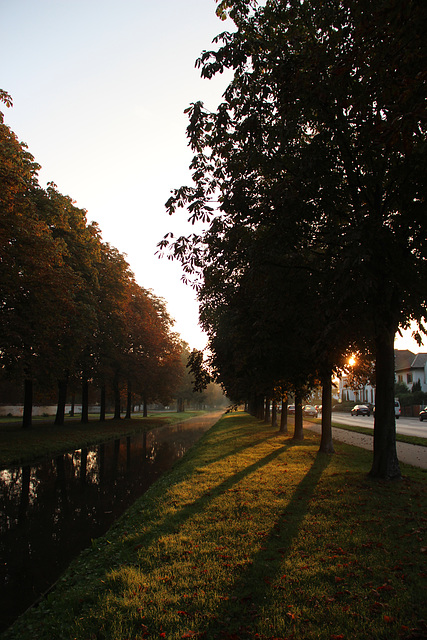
(409,399)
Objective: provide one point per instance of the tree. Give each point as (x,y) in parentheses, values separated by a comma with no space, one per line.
(75,332)
(35,279)
(321,135)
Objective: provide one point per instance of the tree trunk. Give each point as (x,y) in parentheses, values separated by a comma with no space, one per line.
(260,407)
(27,418)
(129,402)
(145,409)
(284,417)
(73,402)
(116,391)
(85,402)
(326,444)
(62,399)
(274,414)
(385,463)
(102,404)
(267,410)
(299,432)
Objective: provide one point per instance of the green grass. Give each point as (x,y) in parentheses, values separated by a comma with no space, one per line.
(252,536)
(44,439)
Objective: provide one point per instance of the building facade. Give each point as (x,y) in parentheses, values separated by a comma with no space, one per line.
(409,369)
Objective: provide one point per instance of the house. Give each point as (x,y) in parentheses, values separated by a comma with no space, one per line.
(409,368)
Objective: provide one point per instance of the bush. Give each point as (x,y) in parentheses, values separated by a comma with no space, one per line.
(344,407)
(409,399)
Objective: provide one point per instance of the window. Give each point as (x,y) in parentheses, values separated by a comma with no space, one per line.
(409,378)
(400,378)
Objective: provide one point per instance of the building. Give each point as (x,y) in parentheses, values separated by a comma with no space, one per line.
(409,368)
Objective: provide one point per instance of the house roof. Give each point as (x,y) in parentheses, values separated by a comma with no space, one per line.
(405,359)
(420,361)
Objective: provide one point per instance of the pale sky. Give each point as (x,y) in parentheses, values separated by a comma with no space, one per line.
(99,90)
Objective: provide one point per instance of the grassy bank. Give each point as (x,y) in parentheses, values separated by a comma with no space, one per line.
(44,439)
(252,536)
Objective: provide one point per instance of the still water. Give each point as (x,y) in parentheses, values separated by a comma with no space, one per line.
(52,510)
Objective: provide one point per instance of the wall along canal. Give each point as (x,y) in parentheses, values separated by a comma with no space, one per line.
(52,510)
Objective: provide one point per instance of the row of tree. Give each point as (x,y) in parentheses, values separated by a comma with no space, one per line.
(70,307)
(310,178)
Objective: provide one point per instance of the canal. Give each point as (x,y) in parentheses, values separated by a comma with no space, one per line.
(52,510)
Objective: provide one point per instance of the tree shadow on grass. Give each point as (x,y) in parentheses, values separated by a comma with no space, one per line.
(238,614)
(206,452)
(172,523)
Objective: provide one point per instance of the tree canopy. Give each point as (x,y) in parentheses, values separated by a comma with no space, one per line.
(315,161)
(71,310)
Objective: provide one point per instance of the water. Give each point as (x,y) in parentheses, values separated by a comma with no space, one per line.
(52,510)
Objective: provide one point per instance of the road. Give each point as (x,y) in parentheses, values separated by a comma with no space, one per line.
(405,426)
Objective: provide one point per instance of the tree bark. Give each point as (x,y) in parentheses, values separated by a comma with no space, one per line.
(284,417)
(73,402)
(274,414)
(385,463)
(129,402)
(260,407)
(299,432)
(145,409)
(85,402)
(62,399)
(267,410)
(102,404)
(116,391)
(326,444)
(27,417)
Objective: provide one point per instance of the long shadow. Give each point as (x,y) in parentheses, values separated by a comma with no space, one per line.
(208,441)
(247,594)
(171,524)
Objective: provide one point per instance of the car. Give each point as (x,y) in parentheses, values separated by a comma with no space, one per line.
(396,408)
(360,410)
(308,410)
(423,414)
(291,408)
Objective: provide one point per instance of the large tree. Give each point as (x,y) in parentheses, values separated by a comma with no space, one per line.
(321,135)
(35,280)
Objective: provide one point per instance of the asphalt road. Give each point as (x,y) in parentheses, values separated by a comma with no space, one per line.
(405,426)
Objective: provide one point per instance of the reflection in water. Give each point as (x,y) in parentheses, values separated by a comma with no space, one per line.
(49,512)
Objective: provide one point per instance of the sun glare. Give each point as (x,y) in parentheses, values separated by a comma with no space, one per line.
(352,361)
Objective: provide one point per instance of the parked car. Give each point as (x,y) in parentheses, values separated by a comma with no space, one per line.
(423,414)
(396,408)
(291,408)
(361,410)
(308,410)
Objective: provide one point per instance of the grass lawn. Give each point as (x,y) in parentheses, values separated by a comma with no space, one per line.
(252,536)
(44,439)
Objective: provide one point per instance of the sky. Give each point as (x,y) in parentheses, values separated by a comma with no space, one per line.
(99,90)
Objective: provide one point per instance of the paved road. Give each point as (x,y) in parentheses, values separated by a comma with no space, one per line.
(405,426)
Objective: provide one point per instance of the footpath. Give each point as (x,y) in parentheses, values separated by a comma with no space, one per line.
(412,454)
